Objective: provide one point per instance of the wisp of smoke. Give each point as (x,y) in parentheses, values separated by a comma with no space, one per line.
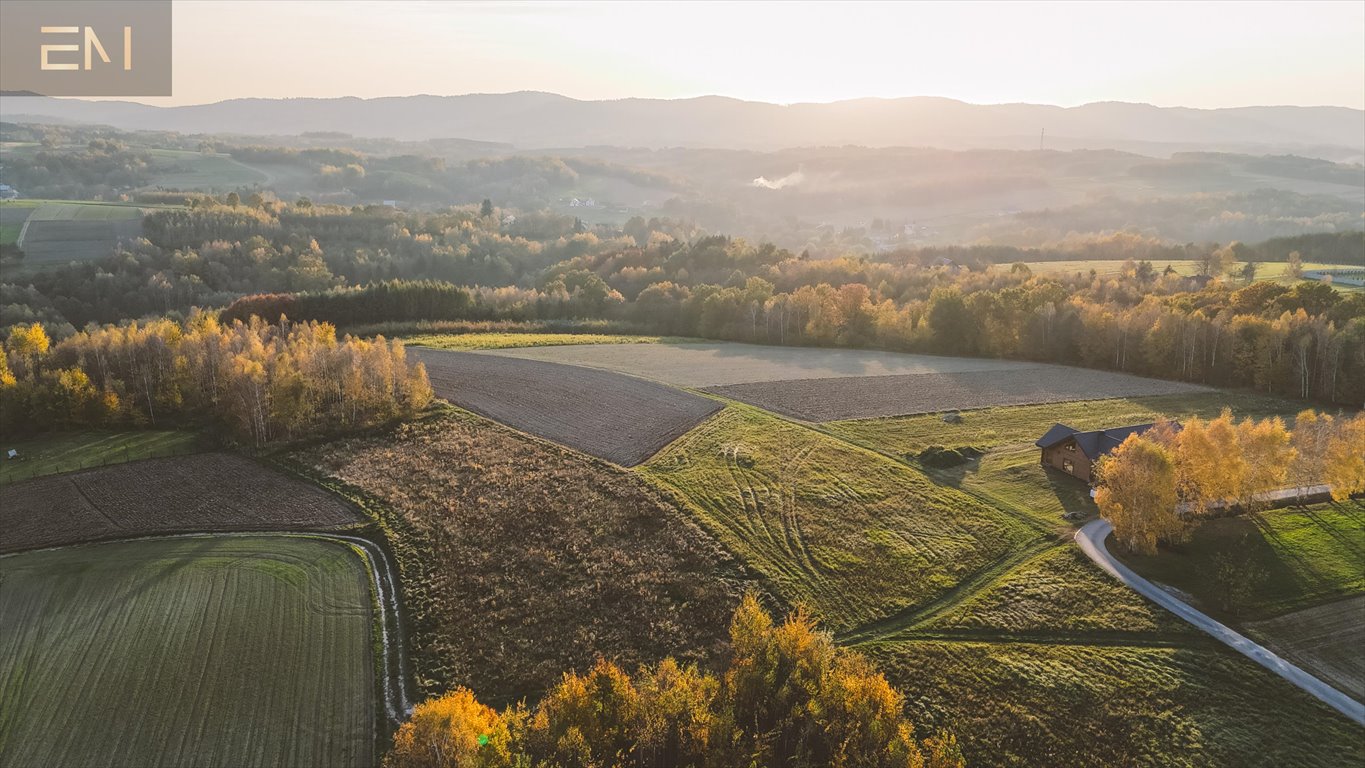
(790,180)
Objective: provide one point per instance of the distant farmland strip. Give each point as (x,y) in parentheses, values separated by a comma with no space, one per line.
(622,419)
(220,651)
(203,492)
(871,396)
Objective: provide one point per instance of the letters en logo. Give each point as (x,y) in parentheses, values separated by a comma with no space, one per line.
(114,48)
(91,44)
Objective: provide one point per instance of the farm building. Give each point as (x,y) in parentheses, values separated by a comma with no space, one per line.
(1075,452)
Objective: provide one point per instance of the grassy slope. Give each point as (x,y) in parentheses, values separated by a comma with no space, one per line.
(516,340)
(1008,474)
(68,451)
(1062,591)
(221,651)
(853,535)
(1048,661)
(1304,555)
(1037,704)
(179,169)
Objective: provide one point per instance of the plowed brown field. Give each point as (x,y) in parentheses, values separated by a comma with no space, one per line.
(203,492)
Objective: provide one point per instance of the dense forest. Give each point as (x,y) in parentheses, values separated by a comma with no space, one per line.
(371,265)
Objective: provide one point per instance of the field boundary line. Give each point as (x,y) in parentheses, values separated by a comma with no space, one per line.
(909,618)
(1090,538)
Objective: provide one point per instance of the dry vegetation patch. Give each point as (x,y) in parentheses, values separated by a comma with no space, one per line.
(202,492)
(622,419)
(521,559)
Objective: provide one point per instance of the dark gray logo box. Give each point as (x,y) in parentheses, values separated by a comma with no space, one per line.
(59,47)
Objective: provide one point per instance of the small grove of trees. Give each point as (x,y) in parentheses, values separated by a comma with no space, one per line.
(260,383)
(788,697)
(1153,483)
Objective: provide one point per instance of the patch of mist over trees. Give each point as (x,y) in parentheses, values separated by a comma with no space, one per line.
(918,196)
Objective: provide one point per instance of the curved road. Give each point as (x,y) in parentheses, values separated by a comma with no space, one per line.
(1091,538)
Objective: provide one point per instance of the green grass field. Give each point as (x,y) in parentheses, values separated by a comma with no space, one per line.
(1114,704)
(1042,659)
(182,169)
(1007,473)
(470,341)
(69,451)
(9,233)
(228,651)
(1021,425)
(855,536)
(1059,592)
(65,210)
(68,211)
(1296,558)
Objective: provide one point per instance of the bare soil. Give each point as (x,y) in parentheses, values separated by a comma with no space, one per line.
(622,419)
(202,492)
(721,363)
(833,399)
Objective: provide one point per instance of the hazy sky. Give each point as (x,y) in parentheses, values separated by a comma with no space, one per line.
(1188,54)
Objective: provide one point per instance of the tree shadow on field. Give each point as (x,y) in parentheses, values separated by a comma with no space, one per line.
(155,576)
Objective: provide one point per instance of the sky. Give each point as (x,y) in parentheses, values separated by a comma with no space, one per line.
(1204,55)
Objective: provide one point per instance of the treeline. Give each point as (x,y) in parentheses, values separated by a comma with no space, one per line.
(1307,341)
(787,697)
(1221,328)
(1155,483)
(103,169)
(255,382)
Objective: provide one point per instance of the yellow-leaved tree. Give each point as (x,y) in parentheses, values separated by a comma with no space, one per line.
(1343,466)
(1267,455)
(788,697)
(1138,495)
(1209,462)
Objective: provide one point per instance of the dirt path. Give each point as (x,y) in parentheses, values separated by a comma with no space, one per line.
(1091,538)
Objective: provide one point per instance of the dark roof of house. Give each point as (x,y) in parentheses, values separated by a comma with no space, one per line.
(1093,444)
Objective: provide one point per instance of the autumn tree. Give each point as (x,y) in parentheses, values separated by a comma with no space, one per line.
(1137,494)
(1343,466)
(1209,462)
(1264,446)
(788,697)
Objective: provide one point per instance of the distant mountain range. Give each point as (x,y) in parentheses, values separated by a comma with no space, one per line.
(531,120)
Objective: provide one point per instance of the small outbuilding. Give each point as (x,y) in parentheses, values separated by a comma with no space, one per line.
(1075,452)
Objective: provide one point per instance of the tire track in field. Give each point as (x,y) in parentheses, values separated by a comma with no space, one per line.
(791,519)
